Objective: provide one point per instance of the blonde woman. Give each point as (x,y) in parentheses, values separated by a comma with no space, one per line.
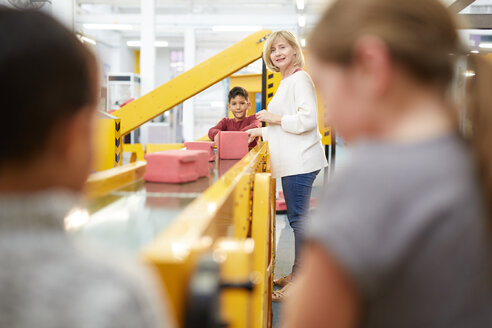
(293,139)
(402,238)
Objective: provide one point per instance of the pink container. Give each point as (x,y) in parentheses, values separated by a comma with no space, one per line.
(232,144)
(280,205)
(202,166)
(171,166)
(202,145)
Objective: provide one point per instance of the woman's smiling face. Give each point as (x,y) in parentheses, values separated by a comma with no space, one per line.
(282,53)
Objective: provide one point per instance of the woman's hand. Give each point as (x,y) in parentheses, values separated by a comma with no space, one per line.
(253,133)
(265,116)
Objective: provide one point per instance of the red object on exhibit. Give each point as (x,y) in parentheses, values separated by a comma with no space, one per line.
(202,145)
(172,166)
(232,144)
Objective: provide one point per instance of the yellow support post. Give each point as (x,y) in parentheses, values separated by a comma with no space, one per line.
(236,257)
(191,82)
(107,142)
(262,235)
(272,83)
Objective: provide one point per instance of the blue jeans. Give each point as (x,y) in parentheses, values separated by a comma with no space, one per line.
(297,192)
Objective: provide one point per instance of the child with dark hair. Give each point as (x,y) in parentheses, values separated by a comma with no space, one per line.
(49,87)
(238,104)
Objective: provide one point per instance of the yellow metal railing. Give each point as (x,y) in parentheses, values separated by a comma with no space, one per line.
(225,210)
(101,183)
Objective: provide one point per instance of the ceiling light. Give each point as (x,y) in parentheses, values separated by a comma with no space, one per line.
(117,27)
(236,28)
(300,4)
(475,52)
(301,20)
(161,44)
(486,45)
(138,44)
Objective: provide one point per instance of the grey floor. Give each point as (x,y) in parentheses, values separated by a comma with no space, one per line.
(284,258)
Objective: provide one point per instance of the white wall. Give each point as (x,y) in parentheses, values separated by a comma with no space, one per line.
(210,103)
(162,69)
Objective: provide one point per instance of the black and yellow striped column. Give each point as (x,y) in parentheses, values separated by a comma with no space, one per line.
(117,143)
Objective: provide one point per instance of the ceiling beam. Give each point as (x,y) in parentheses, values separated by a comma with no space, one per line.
(458,5)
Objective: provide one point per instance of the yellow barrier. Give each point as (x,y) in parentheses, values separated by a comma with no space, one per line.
(136,150)
(262,226)
(101,183)
(213,215)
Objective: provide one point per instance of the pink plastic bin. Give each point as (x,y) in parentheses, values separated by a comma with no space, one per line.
(232,144)
(202,161)
(171,166)
(280,205)
(202,145)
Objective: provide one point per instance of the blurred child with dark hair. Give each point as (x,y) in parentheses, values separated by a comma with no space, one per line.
(49,90)
(238,104)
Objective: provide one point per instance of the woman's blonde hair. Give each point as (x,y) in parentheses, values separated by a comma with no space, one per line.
(421,37)
(291,40)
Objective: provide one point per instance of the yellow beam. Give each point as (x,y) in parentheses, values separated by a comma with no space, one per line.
(191,82)
(101,183)
(251,82)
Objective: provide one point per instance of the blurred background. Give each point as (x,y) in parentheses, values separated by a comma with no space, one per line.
(142,44)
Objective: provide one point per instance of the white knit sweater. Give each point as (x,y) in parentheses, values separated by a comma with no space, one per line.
(295,145)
